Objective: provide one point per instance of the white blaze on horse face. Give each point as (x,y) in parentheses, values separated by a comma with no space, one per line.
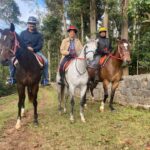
(87,39)
(5,37)
(125,45)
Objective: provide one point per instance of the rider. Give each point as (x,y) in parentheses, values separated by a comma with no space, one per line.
(70,48)
(33,40)
(104,48)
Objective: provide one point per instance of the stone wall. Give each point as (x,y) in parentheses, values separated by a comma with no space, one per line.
(133,91)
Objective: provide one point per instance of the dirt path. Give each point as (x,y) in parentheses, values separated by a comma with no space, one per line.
(25,138)
(127,129)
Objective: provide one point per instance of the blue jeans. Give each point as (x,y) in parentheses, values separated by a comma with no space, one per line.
(45,69)
(12,68)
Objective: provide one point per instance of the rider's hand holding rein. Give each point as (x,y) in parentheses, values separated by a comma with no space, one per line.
(30,49)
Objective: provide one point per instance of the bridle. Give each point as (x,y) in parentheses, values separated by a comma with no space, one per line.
(16,44)
(120,54)
(78,58)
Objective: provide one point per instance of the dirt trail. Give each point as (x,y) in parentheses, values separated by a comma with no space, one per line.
(25,138)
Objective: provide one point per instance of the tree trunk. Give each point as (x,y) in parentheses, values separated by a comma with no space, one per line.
(105,20)
(124,28)
(64,21)
(49,59)
(93,18)
(82,29)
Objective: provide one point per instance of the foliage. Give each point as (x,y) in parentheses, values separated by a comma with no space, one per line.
(52,33)
(9,11)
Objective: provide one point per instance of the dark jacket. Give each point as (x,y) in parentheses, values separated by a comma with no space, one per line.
(33,39)
(104,46)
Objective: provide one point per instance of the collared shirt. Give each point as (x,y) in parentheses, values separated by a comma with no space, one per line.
(72,46)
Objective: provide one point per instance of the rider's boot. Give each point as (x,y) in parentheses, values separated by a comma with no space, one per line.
(62,76)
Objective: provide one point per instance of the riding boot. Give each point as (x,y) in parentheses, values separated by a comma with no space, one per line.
(96,79)
(62,76)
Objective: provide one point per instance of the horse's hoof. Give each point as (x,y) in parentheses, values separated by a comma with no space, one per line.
(22,112)
(18,125)
(36,124)
(65,110)
(113,110)
(85,106)
(83,120)
(60,113)
(93,99)
(72,119)
(101,109)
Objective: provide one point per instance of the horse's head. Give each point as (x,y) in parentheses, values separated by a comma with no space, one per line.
(7,42)
(90,48)
(124,50)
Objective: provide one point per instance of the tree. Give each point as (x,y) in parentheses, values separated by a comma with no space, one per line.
(124,27)
(9,11)
(93,18)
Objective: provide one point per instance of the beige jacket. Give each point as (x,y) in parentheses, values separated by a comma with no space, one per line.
(65,46)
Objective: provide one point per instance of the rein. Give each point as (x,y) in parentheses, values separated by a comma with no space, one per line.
(78,58)
(114,57)
(16,43)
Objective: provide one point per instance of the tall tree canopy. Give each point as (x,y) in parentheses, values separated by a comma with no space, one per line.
(9,11)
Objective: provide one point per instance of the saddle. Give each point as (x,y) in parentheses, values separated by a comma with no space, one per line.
(103,60)
(66,65)
(39,59)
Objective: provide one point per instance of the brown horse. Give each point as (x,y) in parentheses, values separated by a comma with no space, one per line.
(111,71)
(28,71)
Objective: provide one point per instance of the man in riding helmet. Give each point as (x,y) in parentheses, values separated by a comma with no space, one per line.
(33,40)
(104,48)
(70,48)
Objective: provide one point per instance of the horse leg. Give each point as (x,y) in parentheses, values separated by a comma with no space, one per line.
(35,89)
(105,87)
(72,103)
(82,102)
(113,89)
(61,89)
(91,90)
(65,101)
(21,93)
(23,109)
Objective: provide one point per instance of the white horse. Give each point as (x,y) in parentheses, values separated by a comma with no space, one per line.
(77,76)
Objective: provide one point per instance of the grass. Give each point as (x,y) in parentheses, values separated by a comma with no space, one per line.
(126,129)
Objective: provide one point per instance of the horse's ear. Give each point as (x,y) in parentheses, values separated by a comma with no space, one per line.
(118,39)
(12,27)
(97,40)
(87,38)
(1,30)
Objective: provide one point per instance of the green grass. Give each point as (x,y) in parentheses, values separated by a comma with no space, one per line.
(126,129)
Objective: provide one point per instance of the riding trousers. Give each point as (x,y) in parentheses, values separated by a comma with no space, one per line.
(65,59)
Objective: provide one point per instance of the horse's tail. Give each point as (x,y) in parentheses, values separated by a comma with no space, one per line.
(30,94)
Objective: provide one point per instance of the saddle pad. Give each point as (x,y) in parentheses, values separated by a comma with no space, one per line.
(102,60)
(39,59)
(66,65)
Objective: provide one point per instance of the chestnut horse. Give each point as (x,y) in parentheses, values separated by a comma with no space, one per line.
(28,70)
(111,71)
